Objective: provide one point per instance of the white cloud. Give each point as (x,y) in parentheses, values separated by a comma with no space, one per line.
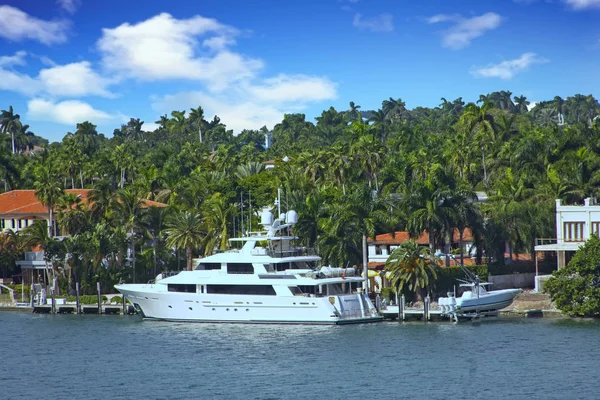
(17,82)
(382,23)
(17,25)
(68,112)
(251,106)
(582,4)
(69,6)
(74,80)
(508,69)
(17,59)
(237,115)
(293,88)
(164,47)
(71,80)
(442,18)
(465,30)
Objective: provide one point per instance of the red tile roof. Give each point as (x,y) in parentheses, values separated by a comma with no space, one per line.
(403,237)
(26,202)
(398,238)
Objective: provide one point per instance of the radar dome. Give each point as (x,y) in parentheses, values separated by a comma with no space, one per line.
(292,217)
(266,218)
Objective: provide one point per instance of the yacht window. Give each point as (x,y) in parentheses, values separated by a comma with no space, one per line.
(277,276)
(308,289)
(176,287)
(208,266)
(240,268)
(264,290)
(335,288)
(269,267)
(296,291)
(303,265)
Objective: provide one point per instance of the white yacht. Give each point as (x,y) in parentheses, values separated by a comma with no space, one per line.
(267,280)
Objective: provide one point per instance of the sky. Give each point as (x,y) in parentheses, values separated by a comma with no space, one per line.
(249,62)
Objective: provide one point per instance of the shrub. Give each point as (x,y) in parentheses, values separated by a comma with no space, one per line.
(87,299)
(575,289)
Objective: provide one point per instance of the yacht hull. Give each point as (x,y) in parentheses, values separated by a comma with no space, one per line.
(153,302)
(493,300)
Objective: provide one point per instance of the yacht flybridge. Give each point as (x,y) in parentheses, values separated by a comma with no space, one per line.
(267,280)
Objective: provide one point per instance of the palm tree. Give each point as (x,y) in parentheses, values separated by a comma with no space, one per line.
(521,104)
(134,130)
(153,225)
(177,124)
(128,212)
(10,123)
(186,231)
(216,217)
(411,266)
(479,121)
(196,119)
(48,190)
(558,106)
(353,113)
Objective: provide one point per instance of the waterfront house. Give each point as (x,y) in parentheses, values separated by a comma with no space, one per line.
(20,208)
(382,246)
(574,226)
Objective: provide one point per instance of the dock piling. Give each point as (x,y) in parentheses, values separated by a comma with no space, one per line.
(426,309)
(77,305)
(401,308)
(123,303)
(99,303)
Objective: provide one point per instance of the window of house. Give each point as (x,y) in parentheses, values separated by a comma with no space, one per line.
(13,223)
(19,224)
(378,250)
(1,224)
(596,228)
(573,231)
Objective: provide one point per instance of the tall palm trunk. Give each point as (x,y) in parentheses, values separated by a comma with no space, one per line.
(188,253)
(365,256)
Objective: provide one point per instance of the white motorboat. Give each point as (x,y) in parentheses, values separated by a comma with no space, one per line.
(268,280)
(477,299)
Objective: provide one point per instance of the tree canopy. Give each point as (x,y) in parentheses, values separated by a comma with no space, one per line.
(349,173)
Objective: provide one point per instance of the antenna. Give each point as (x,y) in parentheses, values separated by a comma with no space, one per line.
(279,201)
(242,211)
(250,210)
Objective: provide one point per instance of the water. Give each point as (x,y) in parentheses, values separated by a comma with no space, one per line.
(121,357)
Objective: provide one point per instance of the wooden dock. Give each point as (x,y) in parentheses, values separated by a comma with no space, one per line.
(109,309)
(413,314)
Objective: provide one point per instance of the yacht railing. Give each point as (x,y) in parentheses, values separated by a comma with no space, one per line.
(294,252)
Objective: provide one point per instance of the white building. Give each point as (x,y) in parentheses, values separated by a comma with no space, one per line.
(574,225)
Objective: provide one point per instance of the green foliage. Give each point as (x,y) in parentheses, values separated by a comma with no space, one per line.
(389,294)
(404,169)
(447,277)
(411,267)
(87,299)
(575,289)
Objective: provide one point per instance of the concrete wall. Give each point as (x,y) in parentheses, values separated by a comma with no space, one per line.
(512,281)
